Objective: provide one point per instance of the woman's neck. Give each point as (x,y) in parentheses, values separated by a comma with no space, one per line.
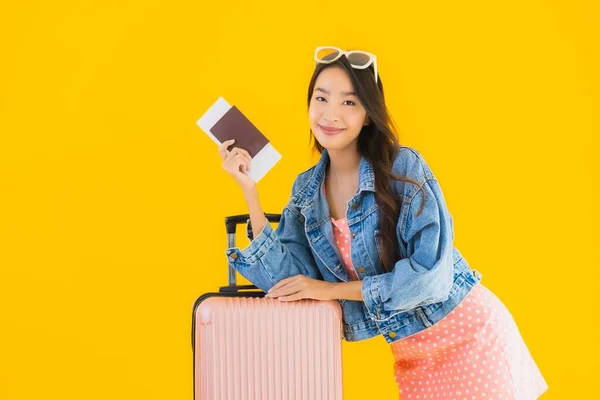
(343,163)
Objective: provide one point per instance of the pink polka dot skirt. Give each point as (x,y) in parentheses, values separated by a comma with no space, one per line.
(476,352)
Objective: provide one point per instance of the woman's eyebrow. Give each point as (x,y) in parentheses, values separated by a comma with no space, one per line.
(342,93)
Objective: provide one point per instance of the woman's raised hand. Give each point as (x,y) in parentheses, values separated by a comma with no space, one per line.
(236,162)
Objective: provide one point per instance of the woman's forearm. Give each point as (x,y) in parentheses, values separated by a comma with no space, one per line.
(347,290)
(257,215)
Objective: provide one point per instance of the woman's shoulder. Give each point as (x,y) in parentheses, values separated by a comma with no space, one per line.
(302,180)
(411,163)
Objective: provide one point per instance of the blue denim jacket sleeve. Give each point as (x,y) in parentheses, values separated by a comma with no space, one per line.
(426,275)
(276,254)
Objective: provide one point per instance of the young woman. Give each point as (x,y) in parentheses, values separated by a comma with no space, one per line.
(368,225)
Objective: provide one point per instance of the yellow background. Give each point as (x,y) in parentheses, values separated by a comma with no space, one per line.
(113,200)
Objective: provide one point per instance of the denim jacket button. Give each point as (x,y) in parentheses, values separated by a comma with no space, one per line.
(355,206)
(353,235)
(233,255)
(362,270)
(392,334)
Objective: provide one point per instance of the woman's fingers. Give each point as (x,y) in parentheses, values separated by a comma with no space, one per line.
(235,163)
(245,161)
(285,291)
(293,297)
(223,152)
(283,282)
(237,150)
(285,286)
(239,153)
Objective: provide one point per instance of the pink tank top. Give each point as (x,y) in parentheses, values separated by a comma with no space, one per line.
(341,234)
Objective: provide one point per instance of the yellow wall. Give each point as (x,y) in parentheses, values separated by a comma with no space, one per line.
(113,199)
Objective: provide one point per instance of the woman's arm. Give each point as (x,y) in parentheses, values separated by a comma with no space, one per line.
(272,255)
(302,287)
(257,216)
(426,275)
(347,290)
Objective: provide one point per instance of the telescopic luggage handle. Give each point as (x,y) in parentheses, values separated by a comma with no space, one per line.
(231,223)
(235,220)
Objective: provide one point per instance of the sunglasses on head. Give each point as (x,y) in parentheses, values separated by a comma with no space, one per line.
(358,59)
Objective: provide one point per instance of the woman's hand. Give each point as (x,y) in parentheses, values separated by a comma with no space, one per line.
(301,287)
(236,162)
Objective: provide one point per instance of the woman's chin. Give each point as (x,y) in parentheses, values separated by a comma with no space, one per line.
(333,142)
(332,146)
(329,144)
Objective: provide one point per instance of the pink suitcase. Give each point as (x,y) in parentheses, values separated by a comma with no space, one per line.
(249,347)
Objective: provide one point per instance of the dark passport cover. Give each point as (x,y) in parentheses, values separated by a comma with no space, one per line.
(234,125)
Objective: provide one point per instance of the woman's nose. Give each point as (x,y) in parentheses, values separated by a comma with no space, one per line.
(331,115)
(331,112)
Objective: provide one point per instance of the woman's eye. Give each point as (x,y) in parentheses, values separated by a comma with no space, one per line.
(320,98)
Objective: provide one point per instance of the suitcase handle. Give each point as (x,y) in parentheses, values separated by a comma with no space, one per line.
(231,223)
(235,288)
(235,220)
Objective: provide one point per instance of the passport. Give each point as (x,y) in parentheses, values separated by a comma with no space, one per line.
(222,122)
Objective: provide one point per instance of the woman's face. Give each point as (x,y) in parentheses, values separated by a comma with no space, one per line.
(333,105)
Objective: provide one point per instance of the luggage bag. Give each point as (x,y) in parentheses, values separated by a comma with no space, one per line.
(246,346)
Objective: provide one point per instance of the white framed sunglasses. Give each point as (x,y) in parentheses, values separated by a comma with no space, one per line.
(358,59)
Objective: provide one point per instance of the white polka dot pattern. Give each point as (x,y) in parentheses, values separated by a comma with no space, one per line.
(476,352)
(341,233)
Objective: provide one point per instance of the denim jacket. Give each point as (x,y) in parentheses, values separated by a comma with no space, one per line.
(427,282)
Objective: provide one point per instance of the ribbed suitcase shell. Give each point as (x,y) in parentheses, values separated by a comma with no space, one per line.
(247,347)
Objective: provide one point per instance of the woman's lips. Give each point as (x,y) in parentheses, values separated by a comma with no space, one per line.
(330,131)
